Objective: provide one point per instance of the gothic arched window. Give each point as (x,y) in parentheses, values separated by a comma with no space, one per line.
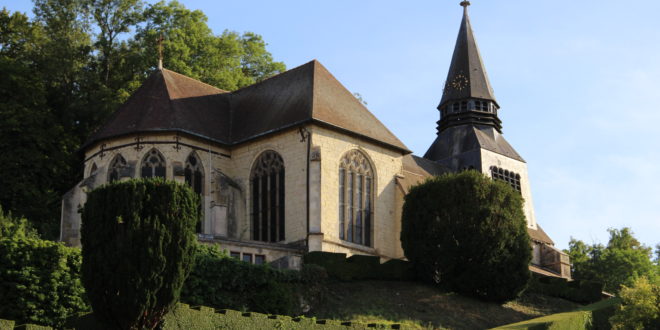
(513,179)
(153,164)
(194,173)
(114,170)
(93,169)
(355,198)
(267,186)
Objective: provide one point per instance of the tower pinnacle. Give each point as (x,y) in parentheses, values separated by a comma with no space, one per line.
(467,96)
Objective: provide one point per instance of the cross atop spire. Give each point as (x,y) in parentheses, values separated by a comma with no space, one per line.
(160,52)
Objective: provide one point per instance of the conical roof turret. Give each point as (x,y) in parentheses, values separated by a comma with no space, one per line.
(467,77)
(467,97)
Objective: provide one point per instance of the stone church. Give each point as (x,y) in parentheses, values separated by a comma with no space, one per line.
(296,163)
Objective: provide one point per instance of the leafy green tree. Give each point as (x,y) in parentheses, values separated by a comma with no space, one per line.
(468,233)
(623,260)
(33,148)
(228,61)
(65,71)
(138,240)
(640,308)
(14,227)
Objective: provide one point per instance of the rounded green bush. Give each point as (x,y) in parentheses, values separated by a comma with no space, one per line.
(137,246)
(468,233)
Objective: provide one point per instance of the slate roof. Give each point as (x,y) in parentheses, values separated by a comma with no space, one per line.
(416,170)
(466,61)
(168,101)
(457,140)
(539,235)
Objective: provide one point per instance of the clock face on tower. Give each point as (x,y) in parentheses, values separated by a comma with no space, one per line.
(457,83)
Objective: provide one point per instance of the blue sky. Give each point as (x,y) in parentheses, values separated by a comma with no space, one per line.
(578,83)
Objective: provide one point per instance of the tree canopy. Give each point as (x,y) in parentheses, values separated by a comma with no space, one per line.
(63,72)
(620,262)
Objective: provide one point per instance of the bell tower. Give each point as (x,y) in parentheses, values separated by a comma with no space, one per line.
(469,132)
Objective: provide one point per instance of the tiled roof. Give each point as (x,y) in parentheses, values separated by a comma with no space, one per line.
(539,235)
(168,101)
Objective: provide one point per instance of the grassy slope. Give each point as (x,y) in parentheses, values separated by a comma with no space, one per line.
(422,306)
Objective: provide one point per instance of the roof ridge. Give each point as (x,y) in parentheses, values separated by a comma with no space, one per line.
(319,65)
(195,80)
(272,77)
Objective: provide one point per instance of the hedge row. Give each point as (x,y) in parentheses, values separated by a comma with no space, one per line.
(184,317)
(219,281)
(594,316)
(580,291)
(360,267)
(39,281)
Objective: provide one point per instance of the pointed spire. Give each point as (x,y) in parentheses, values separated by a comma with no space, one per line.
(467,83)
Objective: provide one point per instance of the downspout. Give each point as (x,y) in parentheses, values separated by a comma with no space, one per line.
(305,135)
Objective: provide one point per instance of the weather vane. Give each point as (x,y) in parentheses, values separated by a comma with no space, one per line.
(160,52)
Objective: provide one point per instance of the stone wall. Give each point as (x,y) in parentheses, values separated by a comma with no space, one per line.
(489,158)
(387,164)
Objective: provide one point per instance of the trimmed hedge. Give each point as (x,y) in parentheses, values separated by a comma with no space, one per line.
(360,267)
(6,324)
(219,281)
(580,291)
(184,317)
(39,281)
(594,316)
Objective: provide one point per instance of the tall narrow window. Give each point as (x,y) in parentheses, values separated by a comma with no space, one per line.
(194,174)
(114,170)
(153,164)
(267,181)
(355,198)
(513,179)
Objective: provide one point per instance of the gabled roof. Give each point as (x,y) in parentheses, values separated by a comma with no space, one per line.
(168,101)
(466,64)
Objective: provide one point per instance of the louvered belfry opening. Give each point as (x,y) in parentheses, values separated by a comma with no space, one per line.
(267,187)
(355,198)
(512,178)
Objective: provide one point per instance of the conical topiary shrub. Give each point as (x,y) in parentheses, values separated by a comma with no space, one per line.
(137,247)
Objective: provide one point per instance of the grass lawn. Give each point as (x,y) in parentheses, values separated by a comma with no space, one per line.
(416,305)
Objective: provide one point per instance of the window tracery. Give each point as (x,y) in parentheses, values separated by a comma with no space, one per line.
(355,198)
(267,184)
(153,164)
(116,165)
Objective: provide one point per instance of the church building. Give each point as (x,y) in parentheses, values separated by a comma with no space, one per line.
(295,163)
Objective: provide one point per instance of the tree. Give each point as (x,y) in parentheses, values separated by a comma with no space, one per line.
(34,161)
(623,260)
(228,61)
(138,247)
(468,233)
(640,308)
(64,72)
